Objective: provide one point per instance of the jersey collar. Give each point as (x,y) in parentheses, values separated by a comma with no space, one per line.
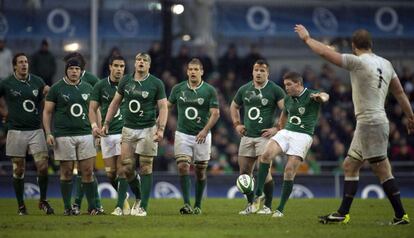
(198,86)
(23,81)
(267,81)
(70,84)
(300,95)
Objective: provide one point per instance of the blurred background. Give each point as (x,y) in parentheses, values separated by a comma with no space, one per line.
(228,36)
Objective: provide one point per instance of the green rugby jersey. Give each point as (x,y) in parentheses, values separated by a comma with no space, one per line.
(89,78)
(141,99)
(193,106)
(23,100)
(303,112)
(71,108)
(103,93)
(259,106)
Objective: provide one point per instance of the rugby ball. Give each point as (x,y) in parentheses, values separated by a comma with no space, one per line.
(245,183)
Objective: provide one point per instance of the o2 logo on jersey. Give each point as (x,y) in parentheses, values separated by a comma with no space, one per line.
(76,110)
(191,113)
(29,106)
(135,107)
(254,113)
(166,190)
(31,190)
(295,120)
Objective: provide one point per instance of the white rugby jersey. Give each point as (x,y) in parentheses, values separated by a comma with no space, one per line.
(370,78)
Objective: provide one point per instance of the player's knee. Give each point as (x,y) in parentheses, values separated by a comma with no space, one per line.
(66,174)
(87,173)
(289,173)
(111,174)
(183,165)
(145,163)
(266,157)
(41,164)
(18,168)
(200,169)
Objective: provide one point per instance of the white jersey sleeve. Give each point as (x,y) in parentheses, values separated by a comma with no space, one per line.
(351,62)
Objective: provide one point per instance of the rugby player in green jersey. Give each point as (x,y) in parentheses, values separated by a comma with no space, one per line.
(298,121)
(143,94)
(24,94)
(92,80)
(198,112)
(72,140)
(259,99)
(101,97)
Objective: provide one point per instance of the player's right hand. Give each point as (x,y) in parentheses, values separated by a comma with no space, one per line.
(104,131)
(96,132)
(302,32)
(50,140)
(241,130)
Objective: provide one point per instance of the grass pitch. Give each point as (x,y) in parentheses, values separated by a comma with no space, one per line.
(369,218)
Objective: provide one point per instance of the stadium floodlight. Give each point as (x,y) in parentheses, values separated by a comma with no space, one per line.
(186,37)
(177,9)
(71,46)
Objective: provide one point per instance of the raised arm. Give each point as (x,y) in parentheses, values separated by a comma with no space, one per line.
(321,97)
(398,92)
(318,47)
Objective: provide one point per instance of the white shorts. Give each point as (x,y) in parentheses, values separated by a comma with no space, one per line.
(369,141)
(111,146)
(74,148)
(252,146)
(185,144)
(142,140)
(18,143)
(293,143)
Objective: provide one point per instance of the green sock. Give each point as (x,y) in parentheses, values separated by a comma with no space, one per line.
(261,178)
(43,181)
(66,190)
(199,190)
(146,183)
(122,189)
(90,193)
(18,185)
(135,186)
(286,191)
(98,203)
(79,190)
(268,191)
(185,187)
(250,197)
(114,183)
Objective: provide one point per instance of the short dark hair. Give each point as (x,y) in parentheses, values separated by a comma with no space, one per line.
(263,62)
(196,61)
(116,57)
(294,76)
(77,55)
(362,39)
(145,55)
(14,61)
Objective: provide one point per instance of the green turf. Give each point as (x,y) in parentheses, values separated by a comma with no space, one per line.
(220,218)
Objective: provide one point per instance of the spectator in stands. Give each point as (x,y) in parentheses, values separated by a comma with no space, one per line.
(6,68)
(249,60)
(43,63)
(157,58)
(229,61)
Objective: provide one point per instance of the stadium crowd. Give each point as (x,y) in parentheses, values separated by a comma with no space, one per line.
(333,134)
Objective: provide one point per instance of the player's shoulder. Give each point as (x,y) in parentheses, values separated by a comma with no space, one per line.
(154,78)
(36,78)
(209,86)
(180,85)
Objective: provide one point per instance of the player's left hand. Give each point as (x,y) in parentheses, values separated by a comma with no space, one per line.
(302,32)
(269,132)
(317,97)
(201,137)
(159,135)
